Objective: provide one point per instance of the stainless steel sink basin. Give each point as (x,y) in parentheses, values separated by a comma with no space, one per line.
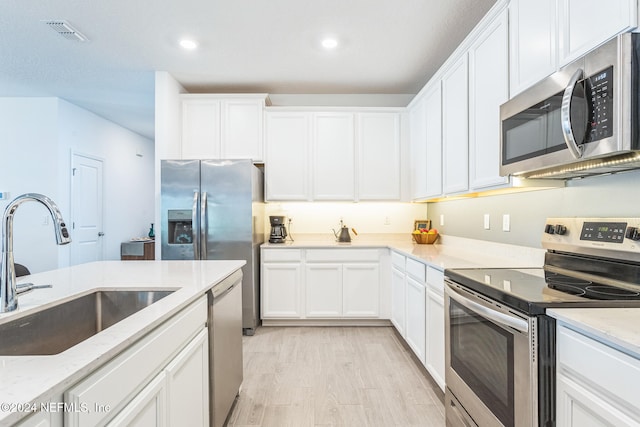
(55,329)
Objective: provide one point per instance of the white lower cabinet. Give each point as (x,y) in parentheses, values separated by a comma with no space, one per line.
(398,292)
(434,358)
(361,290)
(320,284)
(417,311)
(596,384)
(160,379)
(416,315)
(324,290)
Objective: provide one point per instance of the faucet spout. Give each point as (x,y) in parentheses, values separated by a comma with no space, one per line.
(8,290)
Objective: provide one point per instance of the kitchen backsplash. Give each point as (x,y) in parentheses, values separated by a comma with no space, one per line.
(601,196)
(365,217)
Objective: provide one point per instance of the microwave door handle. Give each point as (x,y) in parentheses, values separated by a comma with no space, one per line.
(500,318)
(195,225)
(204,226)
(565,116)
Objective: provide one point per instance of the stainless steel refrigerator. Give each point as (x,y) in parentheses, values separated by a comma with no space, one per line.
(214,210)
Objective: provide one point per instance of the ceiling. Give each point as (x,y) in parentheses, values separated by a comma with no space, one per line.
(385,47)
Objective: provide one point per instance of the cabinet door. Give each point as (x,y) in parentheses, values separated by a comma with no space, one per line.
(200,128)
(433,110)
(398,300)
(280,290)
(323,287)
(333,156)
(488,89)
(418,149)
(188,384)
(455,122)
(148,408)
(242,129)
(379,156)
(585,24)
(360,290)
(578,406)
(287,159)
(532,38)
(416,320)
(435,336)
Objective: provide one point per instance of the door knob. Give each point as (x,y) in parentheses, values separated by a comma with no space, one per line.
(100,234)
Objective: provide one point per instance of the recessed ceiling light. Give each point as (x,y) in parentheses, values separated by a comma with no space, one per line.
(188,44)
(329,43)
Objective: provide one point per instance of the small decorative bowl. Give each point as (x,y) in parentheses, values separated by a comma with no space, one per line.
(425,239)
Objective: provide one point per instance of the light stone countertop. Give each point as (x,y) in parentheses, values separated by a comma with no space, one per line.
(616,327)
(447,252)
(25,379)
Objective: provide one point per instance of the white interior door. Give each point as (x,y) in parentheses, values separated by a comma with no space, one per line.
(86,210)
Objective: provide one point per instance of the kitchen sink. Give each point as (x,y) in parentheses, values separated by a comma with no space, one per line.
(58,328)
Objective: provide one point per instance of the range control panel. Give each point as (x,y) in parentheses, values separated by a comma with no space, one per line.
(608,237)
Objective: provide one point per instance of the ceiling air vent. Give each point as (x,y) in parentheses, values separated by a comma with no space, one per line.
(65,30)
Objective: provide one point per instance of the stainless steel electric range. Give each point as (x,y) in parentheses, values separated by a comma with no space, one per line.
(500,345)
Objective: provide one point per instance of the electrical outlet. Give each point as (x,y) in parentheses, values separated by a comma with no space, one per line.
(487,222)
(387,220)
(506,222)
(441,220)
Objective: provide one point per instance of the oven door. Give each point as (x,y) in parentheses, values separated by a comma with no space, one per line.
(491,371)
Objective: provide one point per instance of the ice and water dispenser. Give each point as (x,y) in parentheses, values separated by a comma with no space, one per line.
(180,227)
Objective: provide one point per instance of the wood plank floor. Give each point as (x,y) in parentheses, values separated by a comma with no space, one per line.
(333,376)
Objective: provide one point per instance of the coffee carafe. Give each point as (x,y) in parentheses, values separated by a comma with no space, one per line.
(278,230)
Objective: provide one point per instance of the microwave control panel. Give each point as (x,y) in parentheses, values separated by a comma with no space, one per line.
(599,91)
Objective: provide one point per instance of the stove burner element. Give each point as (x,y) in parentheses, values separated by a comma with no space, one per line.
(567,289)
(611,291)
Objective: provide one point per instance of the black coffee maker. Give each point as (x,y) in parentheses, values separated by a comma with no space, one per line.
(278,230)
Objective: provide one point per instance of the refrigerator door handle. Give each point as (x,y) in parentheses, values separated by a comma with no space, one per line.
(195,225)
(204,226)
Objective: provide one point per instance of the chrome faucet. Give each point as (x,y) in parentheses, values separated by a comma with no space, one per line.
(8,289)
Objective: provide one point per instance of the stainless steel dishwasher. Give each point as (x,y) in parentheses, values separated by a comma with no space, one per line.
(225,346)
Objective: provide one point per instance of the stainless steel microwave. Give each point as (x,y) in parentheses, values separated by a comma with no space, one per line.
(582,120)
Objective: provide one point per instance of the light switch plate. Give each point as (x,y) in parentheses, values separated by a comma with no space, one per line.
(441,219)
(487,222)
(506,222)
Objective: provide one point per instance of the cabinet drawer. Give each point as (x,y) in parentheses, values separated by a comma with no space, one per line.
(284,255)
(417,270)
(435,280)
(115,383)
(342,255)
(397,260)
(616,376)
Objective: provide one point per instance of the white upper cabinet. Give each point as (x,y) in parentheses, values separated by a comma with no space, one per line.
(532,34)
(433,110)
(585,24)
(333,156)
(200,128)
(344,154)
(418,148)
(222,126)
(242,129)
(455,137)
(488,89)
(378,140)
(545,35)
(287,160)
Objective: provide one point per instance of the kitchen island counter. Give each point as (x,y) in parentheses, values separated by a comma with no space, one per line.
(447,252)
(29,380)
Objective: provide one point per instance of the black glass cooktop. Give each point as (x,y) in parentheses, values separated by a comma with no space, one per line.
(532,290)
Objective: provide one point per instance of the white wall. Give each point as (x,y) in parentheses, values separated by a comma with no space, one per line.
(39,135)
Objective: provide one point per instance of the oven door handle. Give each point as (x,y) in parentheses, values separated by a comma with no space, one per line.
(498,317)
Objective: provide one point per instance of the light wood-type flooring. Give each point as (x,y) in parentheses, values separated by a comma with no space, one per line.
(334,376)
